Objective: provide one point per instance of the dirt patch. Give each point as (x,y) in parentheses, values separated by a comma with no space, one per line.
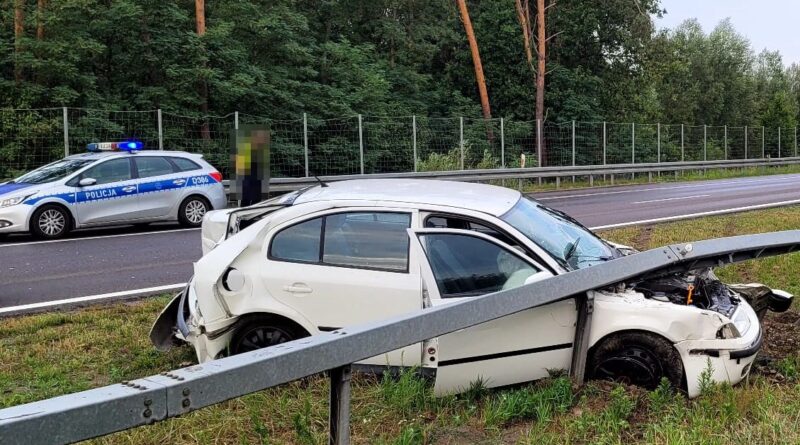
(781,340)
(642,239)
(458,435)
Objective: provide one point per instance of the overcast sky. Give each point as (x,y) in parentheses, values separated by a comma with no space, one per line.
(770,24)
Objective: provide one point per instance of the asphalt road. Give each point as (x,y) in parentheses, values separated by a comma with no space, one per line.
(99,262)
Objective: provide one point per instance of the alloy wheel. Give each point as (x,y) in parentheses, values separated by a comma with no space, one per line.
(52,222)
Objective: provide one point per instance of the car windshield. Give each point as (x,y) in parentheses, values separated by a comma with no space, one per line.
(571,244)
(54,171)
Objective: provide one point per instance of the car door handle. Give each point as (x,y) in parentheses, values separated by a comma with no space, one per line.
(298,288)
(129,189)
(179,181)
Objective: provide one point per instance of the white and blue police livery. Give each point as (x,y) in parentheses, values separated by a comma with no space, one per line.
(113,183)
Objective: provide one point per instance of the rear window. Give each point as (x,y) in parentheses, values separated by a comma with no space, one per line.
(185,165)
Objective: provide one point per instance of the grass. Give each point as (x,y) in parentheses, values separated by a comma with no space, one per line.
(51,354)
(532,186)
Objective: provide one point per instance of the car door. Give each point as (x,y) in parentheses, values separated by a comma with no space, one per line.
(343,268)
(160,185)
(112,198)
(462,264)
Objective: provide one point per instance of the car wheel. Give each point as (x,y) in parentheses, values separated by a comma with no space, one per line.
(262,332)
(192,210)
(635,358)
(50,222)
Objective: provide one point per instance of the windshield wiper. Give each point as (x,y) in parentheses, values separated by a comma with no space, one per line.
(571,249)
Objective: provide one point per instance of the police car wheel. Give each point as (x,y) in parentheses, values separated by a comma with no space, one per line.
(50,222)
(192,211)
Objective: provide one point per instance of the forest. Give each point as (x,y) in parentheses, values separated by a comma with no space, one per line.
(559,61)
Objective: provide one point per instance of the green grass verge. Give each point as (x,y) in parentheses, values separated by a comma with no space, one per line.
(51,354)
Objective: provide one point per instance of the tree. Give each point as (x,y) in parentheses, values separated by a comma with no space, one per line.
(476,59)
(19,34)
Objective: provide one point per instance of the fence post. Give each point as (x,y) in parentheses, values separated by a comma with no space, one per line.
(66,132)
(745,141)
(339,415)
(235,120)
(361,143)
(604,144)
(539,144)
(658,143)
(502,144)
(705,143)
(633,143)
(779,142)
(414,139)
(683,152)
(795,141)
(461,139)
(726,142)
(160,132)
(573,143)
(305,141)
(763,139)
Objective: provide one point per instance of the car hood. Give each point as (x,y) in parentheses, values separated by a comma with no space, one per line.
(9,189)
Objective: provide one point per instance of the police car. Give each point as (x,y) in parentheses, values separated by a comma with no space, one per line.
(113,183)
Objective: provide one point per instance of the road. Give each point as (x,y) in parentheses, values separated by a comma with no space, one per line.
(159,258)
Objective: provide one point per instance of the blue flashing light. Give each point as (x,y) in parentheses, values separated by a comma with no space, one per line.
(115,146)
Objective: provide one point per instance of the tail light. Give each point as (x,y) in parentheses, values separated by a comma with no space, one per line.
(217,176)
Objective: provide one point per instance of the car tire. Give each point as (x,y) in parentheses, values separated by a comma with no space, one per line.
(636,358)
(50,222)
(262,331)
(192,210)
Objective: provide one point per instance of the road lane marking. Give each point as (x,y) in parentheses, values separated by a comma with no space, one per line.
(759,180)
(32,307)
(697,215)
(670,199)
(95,237)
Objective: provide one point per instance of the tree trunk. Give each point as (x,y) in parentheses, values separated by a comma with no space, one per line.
(476,62)
(200,20)
(19,32)
(41,5)
(541,41)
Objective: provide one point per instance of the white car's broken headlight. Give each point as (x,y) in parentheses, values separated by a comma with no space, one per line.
(741,321)
(728,330)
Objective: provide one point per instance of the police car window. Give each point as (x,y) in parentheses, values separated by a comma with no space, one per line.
(371,240)
(299,242)
(468,266)
(149,166)
(114,170)
(184,164)
(53,172)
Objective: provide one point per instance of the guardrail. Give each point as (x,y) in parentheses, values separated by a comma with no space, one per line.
(590,171)
(105,410)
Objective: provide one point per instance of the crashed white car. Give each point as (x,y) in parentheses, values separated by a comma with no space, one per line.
(351,252)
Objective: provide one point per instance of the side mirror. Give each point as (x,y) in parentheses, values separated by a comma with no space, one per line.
(85,182)
(538,276)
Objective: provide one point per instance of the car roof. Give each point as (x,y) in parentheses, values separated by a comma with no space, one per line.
(107,154)
(480,197)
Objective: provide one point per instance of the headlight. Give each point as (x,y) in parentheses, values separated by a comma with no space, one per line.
(728,330)
(741,321)
(8,202)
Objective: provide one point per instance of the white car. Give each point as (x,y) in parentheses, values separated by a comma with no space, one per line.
(113,183)
(351,252)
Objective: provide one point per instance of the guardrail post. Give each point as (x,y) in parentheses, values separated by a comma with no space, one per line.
(581,349)
(66,132)
(305,141)
(414,138)
(502,144)
(745,141)
(361,142)
(726,142)
(160,131)
(461,139)
(339,417)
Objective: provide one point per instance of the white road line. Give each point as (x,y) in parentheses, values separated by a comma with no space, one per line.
(95,237)
(776,181)
(698,215)
(670,199)
(91,298)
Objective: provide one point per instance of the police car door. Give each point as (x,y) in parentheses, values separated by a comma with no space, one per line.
(160,186)
(112,197)
(460,264)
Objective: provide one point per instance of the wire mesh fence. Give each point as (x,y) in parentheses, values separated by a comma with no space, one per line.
(308,146)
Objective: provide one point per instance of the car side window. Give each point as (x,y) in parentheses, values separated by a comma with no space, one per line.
(372,240)
(149,166)
(452,222)
(468,266)
(185,165)
(300,242)
(115,170)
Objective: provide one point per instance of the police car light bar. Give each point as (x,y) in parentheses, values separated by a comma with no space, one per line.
(115,146)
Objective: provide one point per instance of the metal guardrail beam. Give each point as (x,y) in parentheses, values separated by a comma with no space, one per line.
(289,184)
(101,411)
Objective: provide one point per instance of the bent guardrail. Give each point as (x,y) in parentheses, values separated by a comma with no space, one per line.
(105,410)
